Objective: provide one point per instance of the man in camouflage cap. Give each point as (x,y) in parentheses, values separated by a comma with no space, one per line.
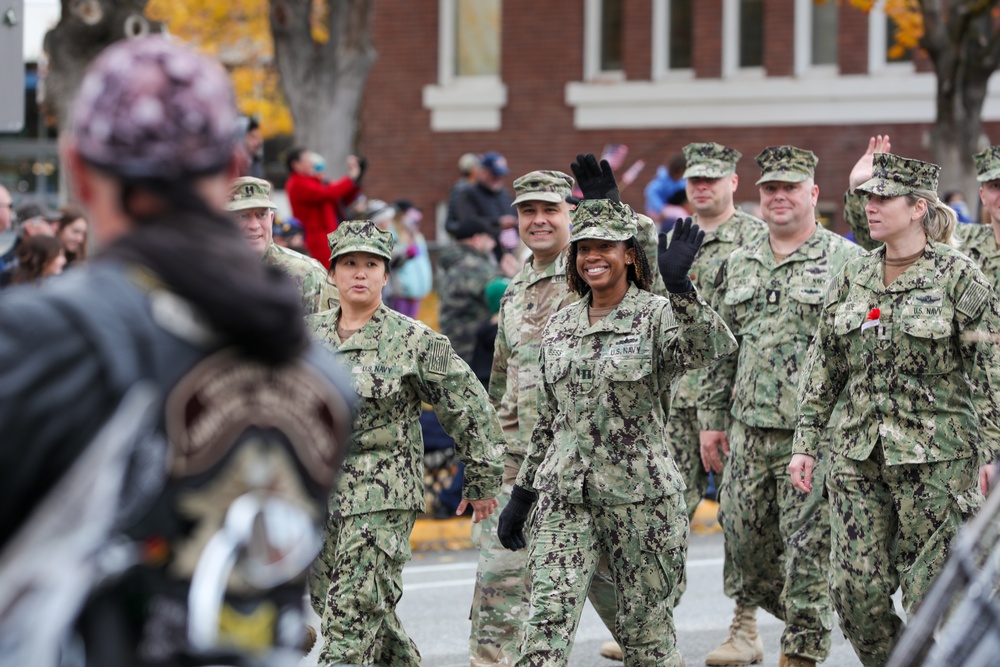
(251,207)
(770,292)
(982,242)
(711,186)
(500,603)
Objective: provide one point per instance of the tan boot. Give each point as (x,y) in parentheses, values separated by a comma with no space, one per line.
(743,645)
(795,661)
(611,650)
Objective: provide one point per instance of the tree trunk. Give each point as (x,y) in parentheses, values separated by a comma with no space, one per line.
(85,28)
(324,81)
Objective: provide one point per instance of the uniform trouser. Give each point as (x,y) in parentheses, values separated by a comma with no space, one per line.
(355,586)
(645,545)
(501,599)
(891,526)
(684,446)
(779,538)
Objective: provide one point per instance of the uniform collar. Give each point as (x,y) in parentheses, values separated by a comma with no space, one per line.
(871,273)
(619,320)
(366,338)
(813,248)
(728,232)
(530,273)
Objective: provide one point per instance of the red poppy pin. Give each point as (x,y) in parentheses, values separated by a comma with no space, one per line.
(872,319)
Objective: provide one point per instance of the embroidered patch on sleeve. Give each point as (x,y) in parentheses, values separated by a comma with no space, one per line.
(973,300)
(440,355)
(670,321)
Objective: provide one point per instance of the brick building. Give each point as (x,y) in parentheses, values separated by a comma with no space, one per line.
(541,81)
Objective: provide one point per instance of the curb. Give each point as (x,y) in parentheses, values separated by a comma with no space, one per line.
(456,534)
(442,534)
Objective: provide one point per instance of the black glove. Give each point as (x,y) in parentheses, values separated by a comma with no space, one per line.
(362,165)
(675,262)
(510,530)
(596,181)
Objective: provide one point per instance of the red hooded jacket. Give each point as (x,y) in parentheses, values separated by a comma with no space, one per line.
(318,206)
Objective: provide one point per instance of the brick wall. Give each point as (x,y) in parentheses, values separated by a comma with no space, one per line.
(543,50)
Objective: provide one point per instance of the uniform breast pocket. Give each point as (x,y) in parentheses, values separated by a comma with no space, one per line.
(629,385)
(378,398)
(926,346)
(740,300)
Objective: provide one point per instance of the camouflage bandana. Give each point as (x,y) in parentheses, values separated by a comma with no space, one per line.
(360,236)
(603,219)
(552,186)
(988,164)
(249,192)
(710,160)
(893,176)
(786,164)
(152,108)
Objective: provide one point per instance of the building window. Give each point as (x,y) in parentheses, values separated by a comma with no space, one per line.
(751,33)
(477,38)
(824,32)
(603,40)
(469,94)
(611,35)
(893,53)
(673,25)
(881,37)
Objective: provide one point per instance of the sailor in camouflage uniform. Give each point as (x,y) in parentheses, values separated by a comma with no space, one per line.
(500,602)
(911,332)
(770,293)
(251,207)
(711,185)
(982,242)
(596,458)
(397,363)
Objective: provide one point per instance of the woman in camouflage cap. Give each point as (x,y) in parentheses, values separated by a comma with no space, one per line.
(396,364)
(596,461)
(911,331)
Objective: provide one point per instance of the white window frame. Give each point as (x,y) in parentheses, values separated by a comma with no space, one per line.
(731,45)
(461,103)
(803,64)
(661,45)
(878,46)
(592,45)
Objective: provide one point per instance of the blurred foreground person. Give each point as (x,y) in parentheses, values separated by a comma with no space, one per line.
(396,365)
(170,437)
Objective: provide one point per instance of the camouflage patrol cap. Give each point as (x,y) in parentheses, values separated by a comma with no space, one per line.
(360,236)
(787,164)
(988,164)
(893,175)
(603,219)
(249,192)
(553,186)
(710,160)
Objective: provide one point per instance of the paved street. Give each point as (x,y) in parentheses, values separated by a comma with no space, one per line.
(438,588)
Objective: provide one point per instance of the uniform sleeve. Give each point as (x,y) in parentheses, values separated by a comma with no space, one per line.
(501,354)
(649,239)
(978,318)
(53,399)
(857,220)
(463,408)
(824,375)
(702,336)
(541,434)
(716,380)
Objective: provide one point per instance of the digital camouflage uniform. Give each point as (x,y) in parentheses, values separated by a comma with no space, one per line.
(979,241)
(396,363)
(779,538)
(596,459)
(318,293)
(707,160)
(463,307)
(500,601)
(921,374)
